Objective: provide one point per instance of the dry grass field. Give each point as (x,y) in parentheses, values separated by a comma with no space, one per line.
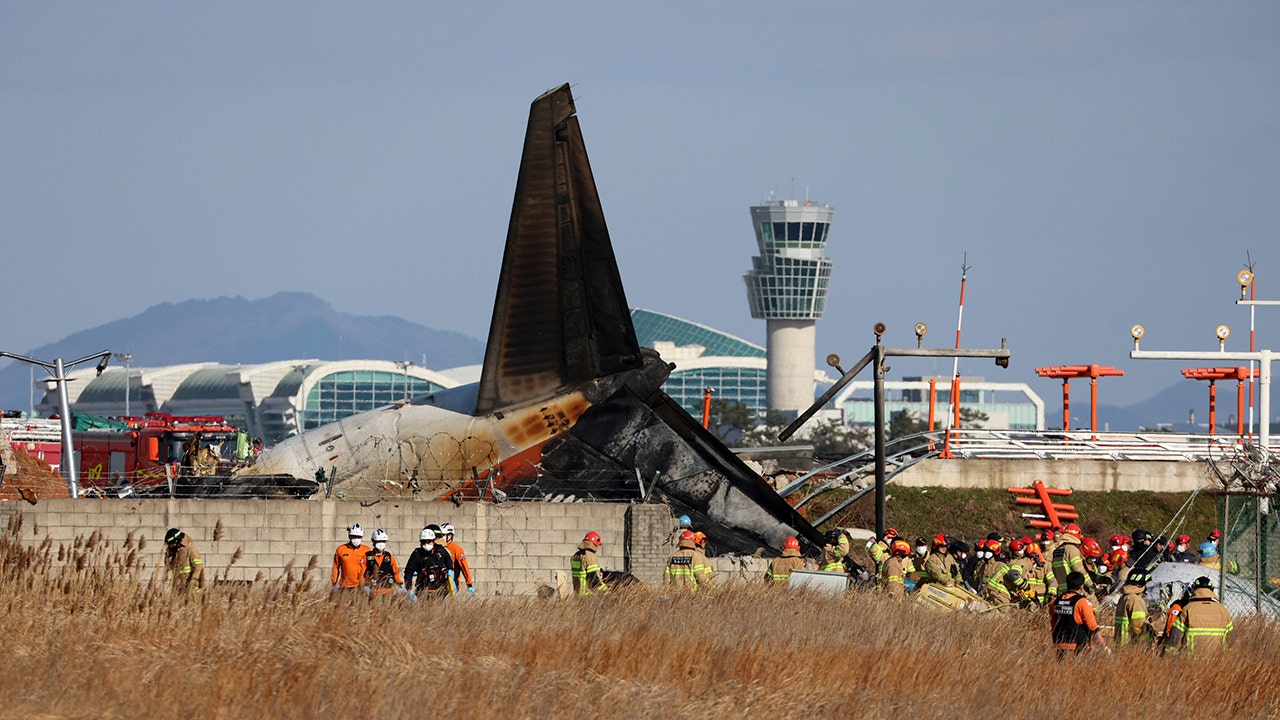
(90,631)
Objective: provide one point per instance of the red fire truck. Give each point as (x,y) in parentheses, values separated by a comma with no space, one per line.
(147,452)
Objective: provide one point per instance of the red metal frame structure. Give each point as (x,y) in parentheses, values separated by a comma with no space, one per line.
(1054,513)
(1066,373)
(1213,374)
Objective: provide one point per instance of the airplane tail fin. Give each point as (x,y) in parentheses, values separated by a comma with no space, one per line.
(560,316)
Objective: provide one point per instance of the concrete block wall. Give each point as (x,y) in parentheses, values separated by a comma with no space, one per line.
(1083,475)
(513,547)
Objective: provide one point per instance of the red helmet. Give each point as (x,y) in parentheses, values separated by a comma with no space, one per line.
(890,533)
(1017,546)
(1184,539)
(686,535)
(1117,557)
(791,543)
(939,541)
(1116,540)
(593,537)
(1074,529)
(1215,535)
(1026,541)
(901,548)
(1090,548)
(1047,536)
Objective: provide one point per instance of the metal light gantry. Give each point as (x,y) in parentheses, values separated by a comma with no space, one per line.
(877,354)
(1262,357)
(58,372)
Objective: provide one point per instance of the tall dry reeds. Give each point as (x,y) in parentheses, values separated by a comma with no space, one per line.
(98,634)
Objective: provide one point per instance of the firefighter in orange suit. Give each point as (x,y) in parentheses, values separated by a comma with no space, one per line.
(348,560)
(780,568)
(381,572)
(1071,619)
(459,560)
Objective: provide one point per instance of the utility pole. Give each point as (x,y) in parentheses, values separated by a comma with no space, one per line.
(127,357)
(877,354)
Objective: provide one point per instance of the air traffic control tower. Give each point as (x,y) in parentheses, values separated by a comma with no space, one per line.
(787,286)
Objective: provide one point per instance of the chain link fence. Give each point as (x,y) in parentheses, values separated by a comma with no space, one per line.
(1249,575)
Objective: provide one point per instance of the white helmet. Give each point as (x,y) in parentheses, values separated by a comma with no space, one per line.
(427,534)
(447,529)
(356,530)
(380,535)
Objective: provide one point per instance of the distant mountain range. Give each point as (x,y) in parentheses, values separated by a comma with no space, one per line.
(293,325)
(233,330)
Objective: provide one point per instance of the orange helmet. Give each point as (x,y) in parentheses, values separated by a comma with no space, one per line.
(1090,548)
(593,537)
(791,543)
(1074,529)
(699,538)
(890,533)
(901,548)
(1117,558)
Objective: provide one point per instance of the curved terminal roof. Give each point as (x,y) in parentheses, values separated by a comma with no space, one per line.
(653,327)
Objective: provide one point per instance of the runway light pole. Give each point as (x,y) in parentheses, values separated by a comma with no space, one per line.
(877,355)
(1263,358)
(58,372)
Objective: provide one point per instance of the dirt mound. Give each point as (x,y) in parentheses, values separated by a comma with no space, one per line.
(26,478)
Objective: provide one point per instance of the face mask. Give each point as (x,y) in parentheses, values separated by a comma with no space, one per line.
(380,546)
(428,544)
(1021,553)
(355,542)
(1182,548)
(920,549)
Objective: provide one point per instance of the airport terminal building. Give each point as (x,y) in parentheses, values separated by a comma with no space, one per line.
(272,400)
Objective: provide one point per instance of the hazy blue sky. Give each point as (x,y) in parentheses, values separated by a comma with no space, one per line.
(1101,163)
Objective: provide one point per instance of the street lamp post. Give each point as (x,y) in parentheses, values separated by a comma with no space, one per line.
(127,358)
(58,371)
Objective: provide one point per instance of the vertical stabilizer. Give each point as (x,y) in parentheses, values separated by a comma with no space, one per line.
(560,317)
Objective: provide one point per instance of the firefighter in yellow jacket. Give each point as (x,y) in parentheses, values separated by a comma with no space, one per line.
(779,572)
(184,561)
(1204,626)
(588,578)
(1132,626)
(834,551)
(895,569)
(702,569)
(680,567)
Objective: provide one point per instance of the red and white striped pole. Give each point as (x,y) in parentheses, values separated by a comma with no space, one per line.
(953,417)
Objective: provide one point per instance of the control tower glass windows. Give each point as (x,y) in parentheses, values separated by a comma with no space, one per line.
(809,235)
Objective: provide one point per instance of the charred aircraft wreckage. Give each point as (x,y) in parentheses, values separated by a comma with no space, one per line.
(568,403)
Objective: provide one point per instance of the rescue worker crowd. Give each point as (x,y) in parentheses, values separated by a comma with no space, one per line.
(1066,572)
(1058,569)
(436,569)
